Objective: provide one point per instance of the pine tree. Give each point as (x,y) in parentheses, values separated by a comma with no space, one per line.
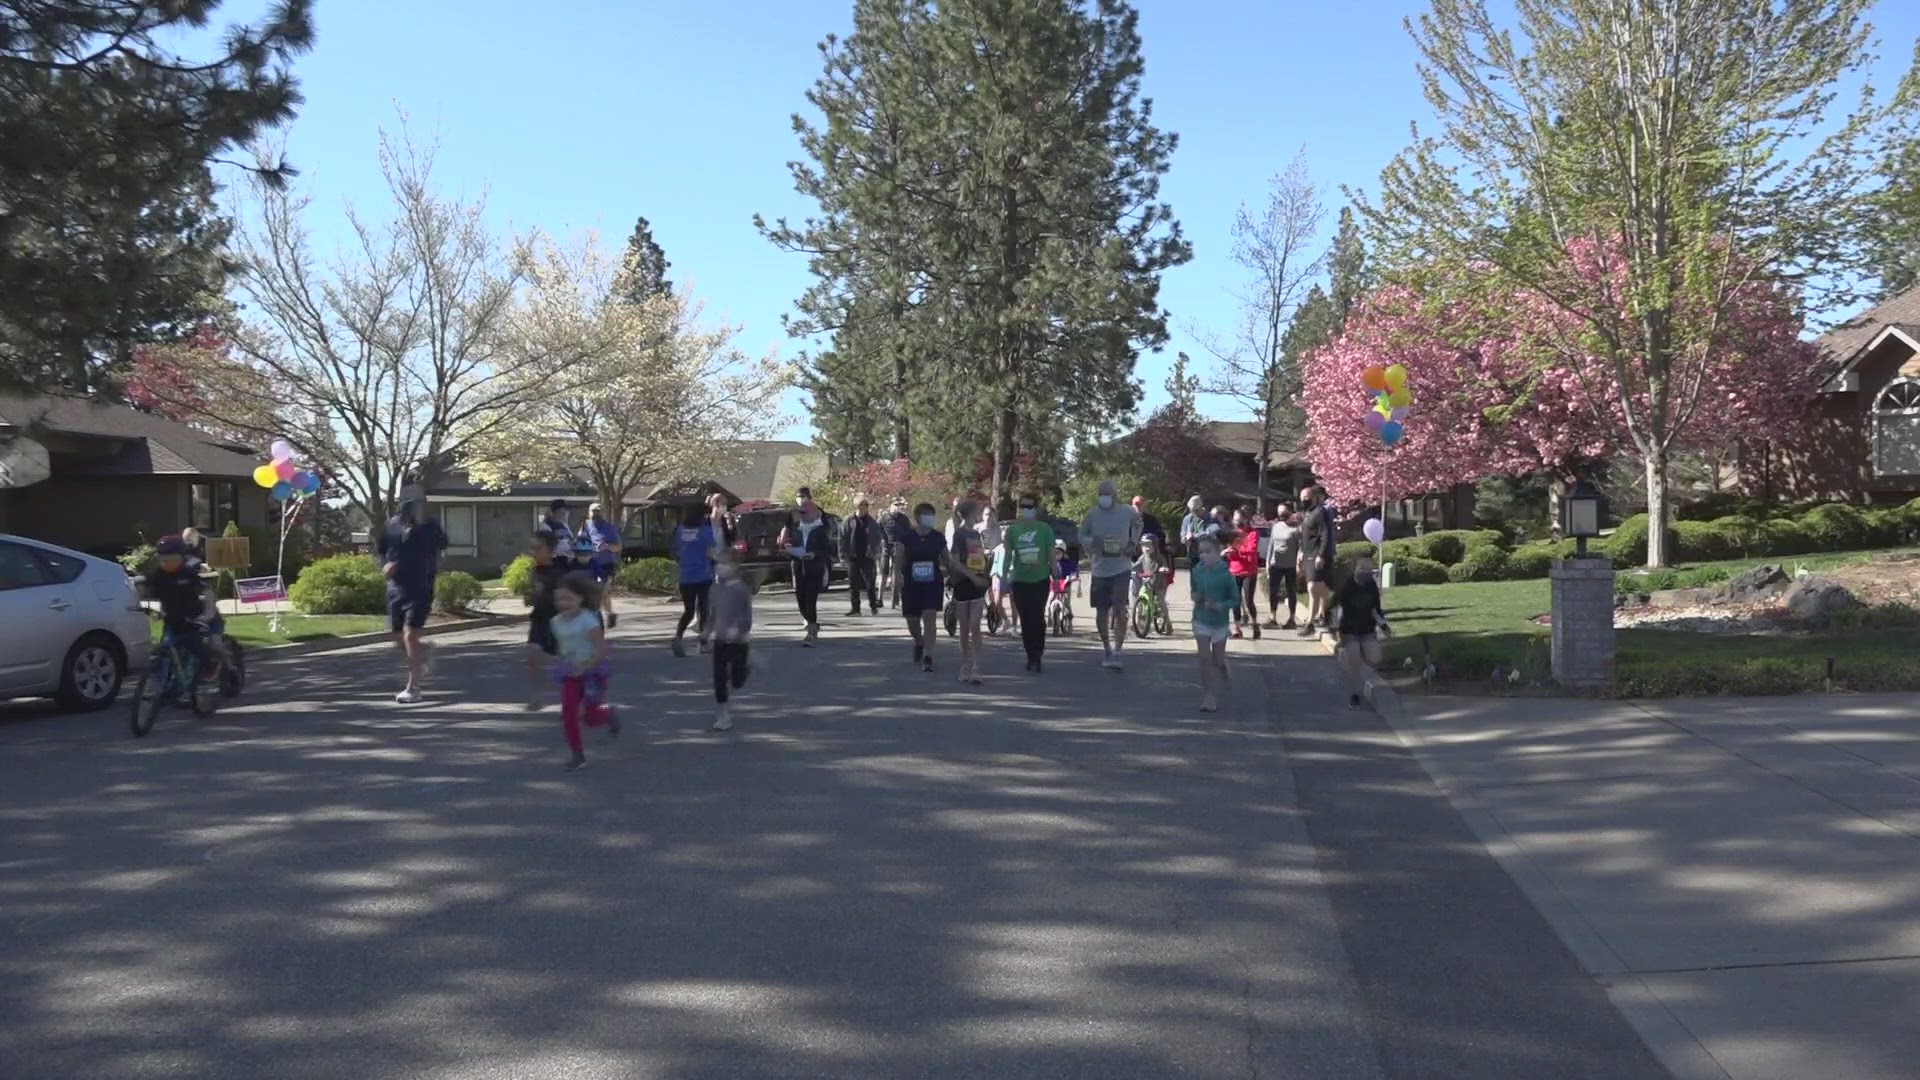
(108,233)
(1347,266)
(644,274)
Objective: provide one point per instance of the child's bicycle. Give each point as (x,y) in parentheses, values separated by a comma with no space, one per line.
(1150,614)
(173,678)
(1059,614)
(952,617)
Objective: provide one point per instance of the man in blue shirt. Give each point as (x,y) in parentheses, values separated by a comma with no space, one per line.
(601,537)
(409,552)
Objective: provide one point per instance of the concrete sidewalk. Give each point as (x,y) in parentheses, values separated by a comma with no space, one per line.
(1742,874)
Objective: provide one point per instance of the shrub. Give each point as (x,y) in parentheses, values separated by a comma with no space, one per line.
(517,576)
(1484,563)
(1627,547)
(1399,551)
(649,576)
(1886,526)
(141,560)
(1835,527)
(341,585)
(456,590)
(1724,504)
(1414,570)
(1910,517)
(1745,536)
(1786,536)
(1891,614)
(1701,541)
(1445,548)
(1530,561)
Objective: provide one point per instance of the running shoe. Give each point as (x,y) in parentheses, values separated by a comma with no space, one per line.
(705,646)
(680,647)
(926,663)
(410,696)
(723,719)
(918,652)
(1353,701)
(576,763)
(613,722)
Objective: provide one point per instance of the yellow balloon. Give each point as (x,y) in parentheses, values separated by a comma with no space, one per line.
(1396,377)
(265,476)
(1400,397)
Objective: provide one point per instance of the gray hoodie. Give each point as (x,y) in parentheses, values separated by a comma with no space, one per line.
(731,605)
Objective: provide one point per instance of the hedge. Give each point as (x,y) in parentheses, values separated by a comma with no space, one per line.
(456,590)
(517,576)
(1483,563)
(649,576)
(1627,547)
(341,585)
(1836,527)
(1702,541)
(1530,561)
(1414,570)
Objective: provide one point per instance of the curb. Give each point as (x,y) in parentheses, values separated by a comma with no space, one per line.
(303,648)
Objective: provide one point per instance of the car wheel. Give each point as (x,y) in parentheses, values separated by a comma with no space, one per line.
(91,674)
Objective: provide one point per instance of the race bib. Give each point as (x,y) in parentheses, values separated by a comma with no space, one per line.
(1030,556)
(923,572)
(976,561)
(1112,547)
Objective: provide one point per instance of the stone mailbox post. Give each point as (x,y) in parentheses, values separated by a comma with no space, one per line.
(1583,621)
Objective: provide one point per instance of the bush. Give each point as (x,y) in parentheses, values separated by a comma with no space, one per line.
(517,576)
(1786,536)
(1745,536)
(1647,581)
(1891,614)
(1725,504)
(1414,570)
(1701,541)
(1886,526)
(456,590)
(649,576)
(1530,561)
(341,585)
(1627,547)
(1835,527)
(1399,551)
(141,560)
(1445,548)
(1482,563)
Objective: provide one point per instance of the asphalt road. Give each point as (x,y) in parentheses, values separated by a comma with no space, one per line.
(880,873)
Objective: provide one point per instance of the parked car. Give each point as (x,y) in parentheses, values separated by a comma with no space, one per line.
(71,625)
(757,543)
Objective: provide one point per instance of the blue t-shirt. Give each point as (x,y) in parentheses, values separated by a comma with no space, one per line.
(691,545)
(415,551)
(593,534)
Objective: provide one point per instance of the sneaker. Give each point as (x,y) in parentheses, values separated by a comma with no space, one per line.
(977,680)
(723,719)
(1273,624)
(1353,701)
(1289,625)
(1208,704)
(613,722)
(536,703)
(1117,664)
(680,647)
(813,635)
(705,646)
(1308,631)
(918,652)
(576,763)
(1256,631)
(410,696)
(926,663)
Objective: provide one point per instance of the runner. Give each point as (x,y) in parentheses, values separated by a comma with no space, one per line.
(409,551)
(603,560)
(548,571)
(922,556)
(1029,544)
(806,540)
(1316,559)
(1213,598)
(860,544)
(1283,557)
(1191,527)
(732,626)
(694,543)
(1111,535)
(580,652)
(556,523)
(1243,562)
(1362,624)
(895,525)
(967,577)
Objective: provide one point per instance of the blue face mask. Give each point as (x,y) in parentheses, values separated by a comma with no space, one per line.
(926,521)
(1028,513)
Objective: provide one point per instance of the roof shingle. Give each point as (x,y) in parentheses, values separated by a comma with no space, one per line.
(154,444)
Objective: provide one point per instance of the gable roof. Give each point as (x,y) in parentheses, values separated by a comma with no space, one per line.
(762,468)
(1841,347)
(1243,437)
(134,443)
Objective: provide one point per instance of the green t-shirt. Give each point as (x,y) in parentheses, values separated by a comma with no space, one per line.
(1030,550)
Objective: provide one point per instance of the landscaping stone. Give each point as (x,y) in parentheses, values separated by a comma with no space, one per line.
(1679,598)
(1814,599)
(1761,582)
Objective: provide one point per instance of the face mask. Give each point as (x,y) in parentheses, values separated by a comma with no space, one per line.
(1363,575)
(926,521)
(1210,556)
(1028,513)
(1106,502)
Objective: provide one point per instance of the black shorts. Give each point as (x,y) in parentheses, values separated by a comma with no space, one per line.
(540,634)
(408,609)
(1313,575)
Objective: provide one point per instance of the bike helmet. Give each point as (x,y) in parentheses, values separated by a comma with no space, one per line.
(170,545)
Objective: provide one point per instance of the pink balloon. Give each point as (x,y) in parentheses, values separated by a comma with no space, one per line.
(1374,531)
(284,469)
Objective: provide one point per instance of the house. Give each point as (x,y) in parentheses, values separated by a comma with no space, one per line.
(1238,472)
(105,476)
(487,528)
(1865,423)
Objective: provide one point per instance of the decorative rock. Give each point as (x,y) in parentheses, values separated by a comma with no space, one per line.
(1813,600)
(1761,582)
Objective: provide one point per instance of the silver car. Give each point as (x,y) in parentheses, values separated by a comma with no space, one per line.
(71,625)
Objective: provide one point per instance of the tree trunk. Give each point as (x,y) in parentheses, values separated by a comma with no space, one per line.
(1003,452)
(1260,485)
(902,441)
(1656,461)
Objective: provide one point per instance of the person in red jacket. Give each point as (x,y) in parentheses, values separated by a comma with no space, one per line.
(1243,561)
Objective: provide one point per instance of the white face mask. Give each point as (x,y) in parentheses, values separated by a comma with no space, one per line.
(1028,513)
(1106,502)
(926,521)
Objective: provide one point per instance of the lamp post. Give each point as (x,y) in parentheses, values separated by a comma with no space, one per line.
(1583,653)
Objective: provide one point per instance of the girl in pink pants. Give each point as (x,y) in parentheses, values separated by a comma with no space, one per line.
(580,650)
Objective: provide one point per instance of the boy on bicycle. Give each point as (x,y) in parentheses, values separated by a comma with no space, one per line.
(186,606)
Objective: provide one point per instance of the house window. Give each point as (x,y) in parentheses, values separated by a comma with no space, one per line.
(211,504)
(462,536)
(1896,429)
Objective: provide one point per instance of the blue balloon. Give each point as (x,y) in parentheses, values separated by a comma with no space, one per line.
(1390,432)
(282,491)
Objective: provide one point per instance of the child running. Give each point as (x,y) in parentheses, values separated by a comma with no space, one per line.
(1214,594)
(548,573)
(580,647)
(1363,622)
(731,608)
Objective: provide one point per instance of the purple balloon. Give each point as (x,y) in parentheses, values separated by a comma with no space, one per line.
(1375,421)
(1400,415)
(1390,432)
(1374,531)
(282,450)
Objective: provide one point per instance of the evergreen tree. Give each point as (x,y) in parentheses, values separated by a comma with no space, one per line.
(108,234)
(644,274)
(1347,266)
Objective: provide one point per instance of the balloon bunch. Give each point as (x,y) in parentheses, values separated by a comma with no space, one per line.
(282,478)
(1392,401)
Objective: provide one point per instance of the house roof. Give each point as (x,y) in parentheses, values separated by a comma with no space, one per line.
(762,469)
(1243,437)
(1842,346)
(135,443)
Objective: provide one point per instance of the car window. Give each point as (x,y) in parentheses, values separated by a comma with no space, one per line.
(18,568)
(60,569)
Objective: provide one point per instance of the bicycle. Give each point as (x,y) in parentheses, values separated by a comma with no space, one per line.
(1059,615)
(1150,614)
(172,677)
(952,616)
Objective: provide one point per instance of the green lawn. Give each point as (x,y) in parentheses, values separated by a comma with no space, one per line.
(251,630)
(1472,628)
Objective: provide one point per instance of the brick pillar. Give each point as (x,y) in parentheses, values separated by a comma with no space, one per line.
(1583,621)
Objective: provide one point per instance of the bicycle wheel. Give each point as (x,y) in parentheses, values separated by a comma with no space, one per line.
(952,619)
(233,669)
(1165,619)
(1142,616)
(151,693)
(994,619)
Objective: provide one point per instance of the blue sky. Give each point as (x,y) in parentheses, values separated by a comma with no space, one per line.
(583,114)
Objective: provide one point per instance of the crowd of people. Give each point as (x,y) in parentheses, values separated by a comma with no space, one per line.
(972,569)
